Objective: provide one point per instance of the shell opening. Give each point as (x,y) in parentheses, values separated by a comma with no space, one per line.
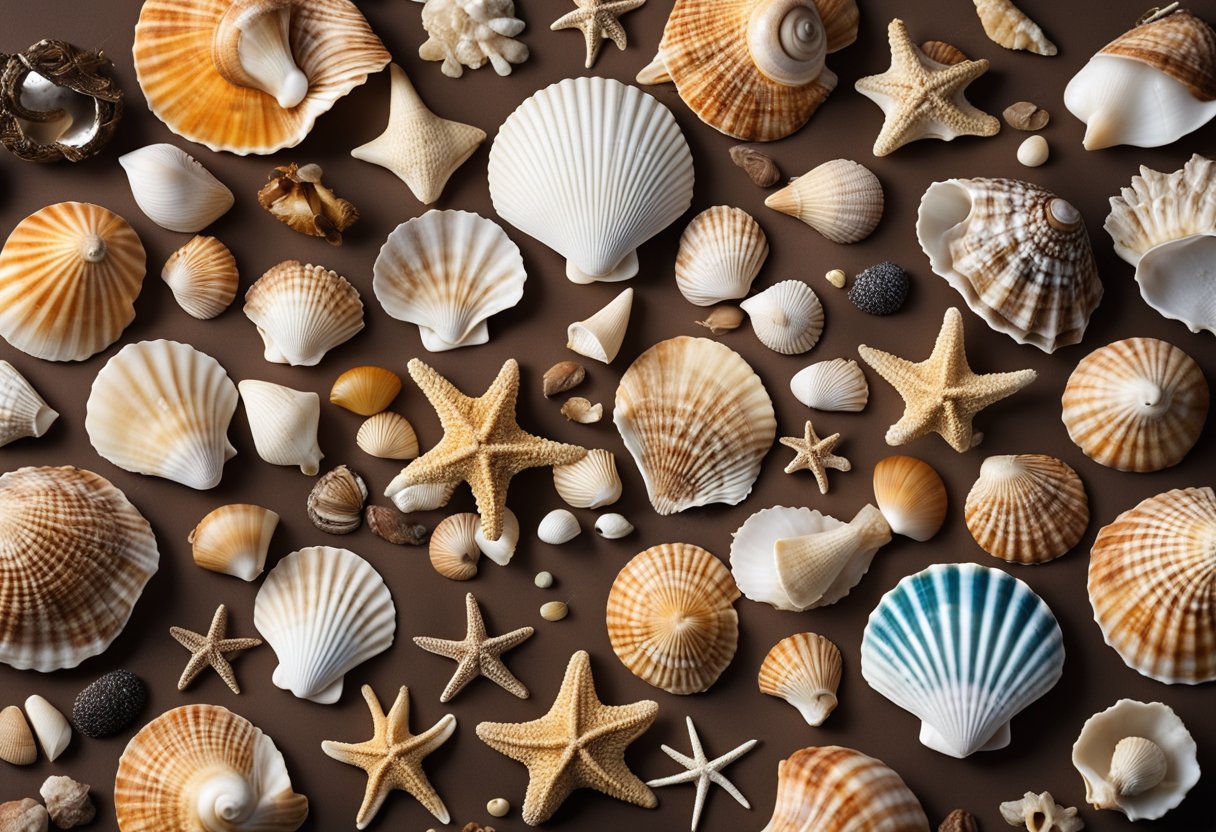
(1063,215)
(92,248)
(223,798)
(75,125)
(252,48)
(787,41)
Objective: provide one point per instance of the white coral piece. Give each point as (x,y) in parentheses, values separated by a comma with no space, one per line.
(1041,813)
(468,32)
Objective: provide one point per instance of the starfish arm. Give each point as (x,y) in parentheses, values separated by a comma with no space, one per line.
(699,801)
(467,669)
(686,761)
(675,779)
(615,32)
(729,788)
(620,783)
(225,671)
(189,639)
(219,623)
(441,646)
(197,662)
(593,37)
(237,645)
(475,624)
(492,668)
(732,755)
(506,641)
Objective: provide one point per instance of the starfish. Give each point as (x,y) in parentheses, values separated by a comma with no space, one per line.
(703,771)
(815,455)
(941,394)
(597,19)
(211,650)
(478,654)
(393,757)
(922,99)
(579,744)
(417,145)
(482,444)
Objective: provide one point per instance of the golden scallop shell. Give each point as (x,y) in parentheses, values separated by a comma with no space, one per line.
(365,390)
(911,496)
(234,540)
(803,669)
(203,277)
(302,312)
(453,549)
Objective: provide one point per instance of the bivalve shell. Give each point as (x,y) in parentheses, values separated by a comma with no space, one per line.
(302,312)
(592,482)
(803,669)
(841,199)
(835,385)
(453,550)
(786,317)
(22,411)
(911,496)
(365,390)
(50,726)
(173,189)
(283,423)
(721,251)
(613,526)
(234,540)
(1027,508)
(388,435)
(419,497)
(503,549)
(203,277)
(17,746)
(335,504)
(557,527)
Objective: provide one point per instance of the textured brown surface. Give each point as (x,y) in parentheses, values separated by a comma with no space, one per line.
(466,772)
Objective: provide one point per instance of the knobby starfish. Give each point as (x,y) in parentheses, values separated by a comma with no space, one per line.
(597,19)
(815,455)
(703,771)
(211,650)
(393,757)
(941,394)
(478,654)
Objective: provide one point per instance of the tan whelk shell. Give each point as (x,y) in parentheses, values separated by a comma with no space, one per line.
(1007,25)
(787,318)
(173,189)
(841,199)
(335,504)
(911,496)
(835,385)
(22,411)
(234,540)
(454,551)
(592,482)
(600,336)
(721,251)
(389,436)
(284,423)
(803,669)
(365,390)
(203,277)
(302,312)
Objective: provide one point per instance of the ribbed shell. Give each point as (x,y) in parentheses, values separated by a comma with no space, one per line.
(1136,405)
(173,189)
(389,436)
(335,504)
(1152,584)
(911,496)
(69,276)
(697,421)
(835,385)
(721,252)
(600,336)
(1180,45)
(592,482)
(302,312)
(557,527)
(284,424)
(841,199)
(819,568)
(751,553)
(787,317)
(203,277)
(453,549)
(22,411)
(365,390)
(803,669)
(74,557)
(671,617)
(234,539)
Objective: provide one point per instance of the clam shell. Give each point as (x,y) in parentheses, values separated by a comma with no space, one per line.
(721,252)
(420,497)
(365,390)
(751,553)
(911,496)
(613,526)
(454,551)
(335,504)
(1027,508)
(835,385)
(787,317)
(389,436)
(803,669)
(17,746)
(841,199)
(283,423)
(600,336)
(592,482)
(819,568)
(557,527)
(203,277)
(503,549)
(22,411)
(234,540)
(173,189)
(302,312)
(50,726)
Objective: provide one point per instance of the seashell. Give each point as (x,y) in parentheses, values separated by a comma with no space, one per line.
(554,610)
(578,409)
(592,482)
(600,336)
(173,189)
(204,767)
(395,527)
(836,385)
(448,272)
(1017,253)
(69,276)
(324,611)
(946,54)
(752,69)
(389,436)
(697,421)
(912,643)
(335,504)
(162,408)
(67,802)
(24,815)
(1137,758)
(464,33)
(563,376)
(109,704)
(671,617)
(721,252)
(911,496)
(612,526)
(49,725)
(284,423)
(302,312)
(203,277)
(234,540)
(786,317)
(17,745)
(592,168)
(365,390)
(296,197)
(1152,582)
(557,527)
(1041,813)
(420,497)
(751,553)
(803,669)
(723,319)
(1008,26)
(841,199)
(1136,405)
(761,169)
(1148,87)
(1027,508)
(836,277)
(22,411)
(835,789)
(454,551)
(503,549)
(819,568)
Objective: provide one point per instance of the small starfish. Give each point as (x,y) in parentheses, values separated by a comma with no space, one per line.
(393,757)
(478,654)
(597,19)
(211,650)
(703,771)
(815,455)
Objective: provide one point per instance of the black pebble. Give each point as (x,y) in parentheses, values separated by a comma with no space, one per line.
(109,705)
(880,290)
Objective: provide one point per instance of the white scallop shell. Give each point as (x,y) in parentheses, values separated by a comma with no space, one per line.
(283,423)
(600,336)
(787,317)
(721,252)
(387,435)
(592,482)
(174,190)
(22,411)
(838,384)
(302,312)
(557,527)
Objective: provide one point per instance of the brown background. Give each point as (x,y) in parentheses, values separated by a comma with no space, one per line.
(466,772)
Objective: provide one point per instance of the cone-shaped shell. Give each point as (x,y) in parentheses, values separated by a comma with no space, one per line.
(50,726)
(697,421)
(721,252)
(1027,508)
(803,669)
(819,568)
(841,199)
(203,277)
(173,189)
(671,617)
(838,384)
(204,767)
(787,318)
(389,436)
(283,423)
(302,312)
(22,411)
(592,482)
(751,553)
(74,557)
(69,276)
(911,496)
(453,549)
(365,390)
(234,540)
(601,335)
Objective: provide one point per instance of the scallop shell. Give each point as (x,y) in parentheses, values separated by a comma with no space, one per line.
(204,767)
(389,436)
(419,497)
(17,746)
(841,199)
(335,504)
(592,168)
(324,611)
(557,527)
(203,277)
(162,408)
(601,335)
(803,669)
(234,540)
(819,568)
(697,421)
(751,553)
(447,272)
(302,312)
(592,482)
(454,551)
(69,276)
(365,390)
(721,252)
(74,557)
(1027,508)
(835,385)
(1017,253)
(22,411)
(503,549)
(284,423)
(965,648)
(787,317)
(911,496)
(671,617)
(173,189)
(1136,405)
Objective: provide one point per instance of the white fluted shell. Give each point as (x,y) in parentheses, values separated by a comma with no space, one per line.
(302,312)
(841,199)
(751,552)
(592,482)
(835,385)
(409,498)
(786,317)
(174,189)
(22,411)
(721,252)
(283,423)
(503,549)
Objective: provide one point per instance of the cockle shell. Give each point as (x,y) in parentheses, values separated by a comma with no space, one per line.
(503,549)
(22,411)
(1017,253)
(1136,405)
(203,277)
(335,504)
(50,726)
(173,189)
(697,421)
(17,746)
(835,385)
(787,317)
(302,312)
(365,390)
(163,408)
(819,568)
(592,482)
(74,557)
(453,550)
(841,199)
(69,276)
(600,336)
(234,540)
(467,33)
(324,611)
(388,436)
(803,669)
(911,496)
(721,251)
(204,767)
(1027,508)
(419,497)
(592,168)
(557,527)
(671,617)
(284,424)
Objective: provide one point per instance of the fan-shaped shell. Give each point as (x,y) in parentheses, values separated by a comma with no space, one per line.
(1017,253)
(453,549)
(365,390)
(965,648)
(204,767)
(1136,405)
(162,408)
(671,617)
(203,277)
(841,199)
(284,424)
(721,252)
(388,435)
(234,539)
(697,421)
(787,317)
(173,189)
(838,384)
(69,276)
(302,312)
(751,553)
(324,611)
(803,669)
(911,496)
(592,482)
(557,527)
(592,168)
(22,411)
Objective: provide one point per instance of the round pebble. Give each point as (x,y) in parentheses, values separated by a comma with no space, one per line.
(554,611)
(880,289)
(1033,152)
(498,807)
(544,580)
(109,705)
(836,278)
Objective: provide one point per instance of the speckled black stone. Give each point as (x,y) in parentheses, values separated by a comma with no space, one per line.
(109,705)
(880,289)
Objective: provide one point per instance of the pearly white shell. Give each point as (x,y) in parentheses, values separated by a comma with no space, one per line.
(502,550)
(284,423)
(51,727)
(787,317)
(174,190)
(613,526)
(592,482)
(22,411)
(751,553)
(838,384)
(557,527)
(422,497)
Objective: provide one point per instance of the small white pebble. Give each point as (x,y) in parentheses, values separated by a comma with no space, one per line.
(544,580)
(498,807)
(836,278)
(554,611)
(1033,152)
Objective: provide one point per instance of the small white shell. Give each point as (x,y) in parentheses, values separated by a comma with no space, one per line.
(50,726)
(203,277)
(841,199)
(838,384)
(22,411)
(787,317)
(613,526)
(557,527)
(721,252)
(425,497)
(302,312)
(234,540)
(502,550)
(388,435)
(592,482)
(284,423)
(600,336)
(174,190)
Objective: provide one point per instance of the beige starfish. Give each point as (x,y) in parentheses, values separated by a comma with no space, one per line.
(478,654)
(815,455)
(941,394)
(417,145)
(597,19)
(393,757)
(922,99)
(579,744)
(482,444)
(211,650)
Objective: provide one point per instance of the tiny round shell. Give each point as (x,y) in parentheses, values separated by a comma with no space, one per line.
(234,540)
(388,435)
(557,527)
(498,808)
(1028,508)
(592,482)
(613,526)
(203,277)
(303,311)
(835,385)
(365,390)
(721,251)
(543,580)
(453,550)
(803,669)
(911,496)
(554,610)
(841,199)
(787,317)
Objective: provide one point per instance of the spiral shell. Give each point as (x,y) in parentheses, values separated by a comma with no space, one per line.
(22,411)
(454,551)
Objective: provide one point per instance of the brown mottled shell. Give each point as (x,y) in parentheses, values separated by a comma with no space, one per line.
(804,670)
(203,277)
(1180,45)
(365,390)
(453,550)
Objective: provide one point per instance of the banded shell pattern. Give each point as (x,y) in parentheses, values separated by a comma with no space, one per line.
(234,539)
(203,277)
(841,199)
(721,251)
(302,312)
(803,669)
